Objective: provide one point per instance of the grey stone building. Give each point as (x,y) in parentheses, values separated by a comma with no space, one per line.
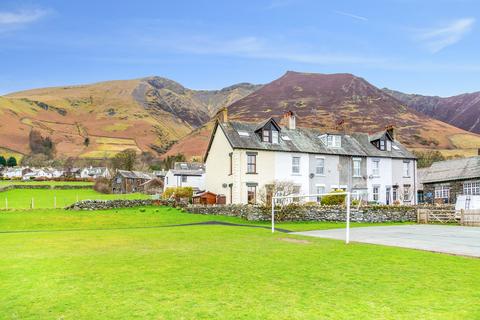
(445,180)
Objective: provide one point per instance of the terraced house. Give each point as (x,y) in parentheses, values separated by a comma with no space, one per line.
(244,159)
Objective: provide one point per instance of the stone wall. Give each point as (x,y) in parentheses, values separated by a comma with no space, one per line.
(113,204)
(312,213)
(44,186)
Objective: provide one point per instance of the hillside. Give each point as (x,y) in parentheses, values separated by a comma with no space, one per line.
(147,114)
(340,102)
(462,111)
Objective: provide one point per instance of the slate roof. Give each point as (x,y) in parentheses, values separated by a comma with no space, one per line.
(450,170)
(136,174)
(307,140)
(188,169)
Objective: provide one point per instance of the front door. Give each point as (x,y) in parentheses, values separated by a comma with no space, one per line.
(387,195)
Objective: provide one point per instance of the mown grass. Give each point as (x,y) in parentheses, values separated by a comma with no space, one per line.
(45,198)
(215,272)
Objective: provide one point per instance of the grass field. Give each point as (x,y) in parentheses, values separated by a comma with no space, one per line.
(45,198)
(115,269)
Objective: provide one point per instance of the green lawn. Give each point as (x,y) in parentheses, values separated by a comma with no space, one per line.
(49,183)
(45,198)
(215,272)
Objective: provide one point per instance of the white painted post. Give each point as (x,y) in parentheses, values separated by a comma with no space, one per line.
(273,215)
(347,235)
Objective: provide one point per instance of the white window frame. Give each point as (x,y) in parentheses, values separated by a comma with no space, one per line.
(406,193)
(357,170)
(406,168)
(274,134)
(471,188)
(319,169)
(320,189)
(442,191)
(265,135)
(296,167)
(376,167)
(376,193)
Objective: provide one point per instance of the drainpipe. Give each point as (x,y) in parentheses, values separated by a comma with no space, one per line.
(415,193)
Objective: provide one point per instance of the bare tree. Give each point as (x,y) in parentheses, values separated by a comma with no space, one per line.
(278,188)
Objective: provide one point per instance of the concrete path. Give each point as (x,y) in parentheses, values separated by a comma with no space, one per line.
(446,239)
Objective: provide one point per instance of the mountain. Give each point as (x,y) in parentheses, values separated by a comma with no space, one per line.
(462,111)
(147,114)
(339,102)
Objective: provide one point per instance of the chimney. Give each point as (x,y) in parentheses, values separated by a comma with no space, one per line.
(391,131)
(478,152)
(290,120)
(222,115)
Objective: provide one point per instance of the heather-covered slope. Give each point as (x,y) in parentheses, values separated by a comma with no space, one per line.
(339,102)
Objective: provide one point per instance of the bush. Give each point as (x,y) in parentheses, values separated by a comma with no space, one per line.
(178,193)
(333,199)
(102,185)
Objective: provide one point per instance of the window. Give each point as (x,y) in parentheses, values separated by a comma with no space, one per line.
(295,165)
(471,188)
(406,169)
(251,194)
(184,178)
(332,141)
(442,191)
(376,190)
(395,193)
(266,135)
(389,145)
(382,144)
(320,166)
(251,163)
(320,190)
(230,156)
(274,136)
(376,168)
(406,192)
(357,167)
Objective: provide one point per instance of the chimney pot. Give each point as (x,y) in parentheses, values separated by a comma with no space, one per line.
(290,120)
(222,115)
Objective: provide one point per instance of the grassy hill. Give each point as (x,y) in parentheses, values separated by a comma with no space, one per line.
(147,114)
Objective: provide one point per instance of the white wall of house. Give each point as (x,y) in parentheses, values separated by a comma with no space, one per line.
(174,181)
(217,166)
(401,179)
(382,180)
(330,176)
(284,169)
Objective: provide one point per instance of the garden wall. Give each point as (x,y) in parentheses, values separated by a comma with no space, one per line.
(113,204)
(312,213)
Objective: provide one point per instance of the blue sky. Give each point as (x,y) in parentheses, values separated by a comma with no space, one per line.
(426,47)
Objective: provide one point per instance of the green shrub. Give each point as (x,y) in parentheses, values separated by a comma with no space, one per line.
(178,193)
(333,199)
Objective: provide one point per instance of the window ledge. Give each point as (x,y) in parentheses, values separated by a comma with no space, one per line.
(251,173)
(319,175)
(357,176)
(296,174)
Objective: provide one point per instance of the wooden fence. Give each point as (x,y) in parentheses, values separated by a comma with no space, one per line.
(470,218)
(436,216)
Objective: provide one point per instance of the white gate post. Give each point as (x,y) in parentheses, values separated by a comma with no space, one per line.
(347,235)
(273,214)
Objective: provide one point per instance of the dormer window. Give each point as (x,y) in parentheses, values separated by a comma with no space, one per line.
(268,131)
(382,140)
(331,140)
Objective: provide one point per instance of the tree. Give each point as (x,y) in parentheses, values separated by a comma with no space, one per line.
(169,161)
(125,160)
(427,157)
(3,161)
(39,144)
(283,188)
(12,162)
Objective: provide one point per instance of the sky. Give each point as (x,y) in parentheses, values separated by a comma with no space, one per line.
(425,47)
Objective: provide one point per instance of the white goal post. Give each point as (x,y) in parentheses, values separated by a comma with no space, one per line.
(308,196)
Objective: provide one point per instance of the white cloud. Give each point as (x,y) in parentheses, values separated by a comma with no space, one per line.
(21,17)
(438,39)
(258,48)
(351,15)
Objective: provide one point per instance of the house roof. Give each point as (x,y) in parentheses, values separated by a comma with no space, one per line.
(241,135)
(188,169)
(136,174)
(449,170)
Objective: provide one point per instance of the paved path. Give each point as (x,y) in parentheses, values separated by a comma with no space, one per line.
(446,239)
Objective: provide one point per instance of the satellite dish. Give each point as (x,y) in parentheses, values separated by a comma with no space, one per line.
(224,185)
(311,175)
